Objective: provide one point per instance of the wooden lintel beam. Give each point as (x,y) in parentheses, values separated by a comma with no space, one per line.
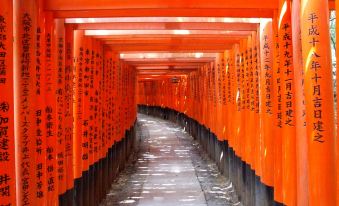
(168,26)
(171,48)
(182,12)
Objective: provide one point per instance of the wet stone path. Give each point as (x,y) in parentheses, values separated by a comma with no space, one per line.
(169,169)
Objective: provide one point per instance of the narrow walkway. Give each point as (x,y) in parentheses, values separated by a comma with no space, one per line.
(169,169)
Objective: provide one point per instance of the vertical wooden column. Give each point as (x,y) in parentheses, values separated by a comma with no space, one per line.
(219,89)
(120,95)
(226,94)
(277,110)
(116,132)
(59,31)
(85,95)
(7,140)
(266,87)
(103,105)
(337,90)
(86,123)
(238,91)
(208,94)
(78,102)
(257,73)
(92,103)
(288,105)
(51,110)
(204,95)
(319,101)
(243,143)
(100,97)
(214,106)
(112,132)
(25,23)
(234,75)
(96,80)
(224,102)
(69,98)
(240,144)
(258,140)
(108,106)
(301,138)
(249,110)
(40,89)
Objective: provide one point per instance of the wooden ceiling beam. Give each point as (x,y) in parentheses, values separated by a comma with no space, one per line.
(182,41)
(170,48)
(67,5)
(169,26)
(163,12)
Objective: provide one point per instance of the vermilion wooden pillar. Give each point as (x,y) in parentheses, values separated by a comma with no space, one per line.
(103,106)
(301,139)
(91,103)
(51,110)
(319,101)
(95,100)
(337,89)
(256,95)
(249,99)
(40,113)
(266,87)
(219,92)
(7,155)
(68,99)
(288,105)
(87,44)
(237,89)
(25,25)
(59,31)
(79,52)
(240,141)
(226,94)
(99,97)
(114,132)
(235,98)
(277,111)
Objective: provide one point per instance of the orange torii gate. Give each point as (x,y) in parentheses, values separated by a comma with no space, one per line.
(288,93)
(68,98)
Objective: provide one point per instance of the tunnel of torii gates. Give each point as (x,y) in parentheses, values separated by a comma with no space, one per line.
(256,74)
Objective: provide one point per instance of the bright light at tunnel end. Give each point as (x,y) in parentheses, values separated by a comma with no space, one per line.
(199,55)
(181,32)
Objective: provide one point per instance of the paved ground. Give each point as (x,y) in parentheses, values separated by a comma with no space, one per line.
(169,169)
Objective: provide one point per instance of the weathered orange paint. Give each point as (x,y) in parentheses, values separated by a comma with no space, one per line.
(59,31)
(266,88)
(337,123)
(69,97)
(248,115)
(277,110)
(319,102)
(288,106)
(78,102)
(40,113)
(24,31)
(51,109)
(7,153)
(301,138)
(86,123)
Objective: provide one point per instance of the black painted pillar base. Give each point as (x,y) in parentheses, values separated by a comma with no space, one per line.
(91,188)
